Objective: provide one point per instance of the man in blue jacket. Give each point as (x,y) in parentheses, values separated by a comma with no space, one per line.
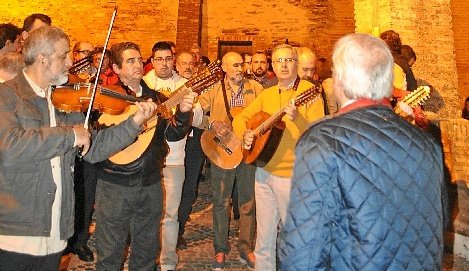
(366,191)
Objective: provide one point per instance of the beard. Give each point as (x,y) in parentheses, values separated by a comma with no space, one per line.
(60,79)
(260,72)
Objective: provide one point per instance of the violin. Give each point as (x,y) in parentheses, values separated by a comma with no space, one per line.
(111,100)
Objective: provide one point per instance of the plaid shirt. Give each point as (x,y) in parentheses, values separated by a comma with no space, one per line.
(237,98)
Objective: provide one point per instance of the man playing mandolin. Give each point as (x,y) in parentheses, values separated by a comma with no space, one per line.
(272,182)
(129,196)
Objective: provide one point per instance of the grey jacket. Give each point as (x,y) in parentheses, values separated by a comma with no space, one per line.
(27,143)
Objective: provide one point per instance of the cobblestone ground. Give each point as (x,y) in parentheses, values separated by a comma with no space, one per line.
(199,254)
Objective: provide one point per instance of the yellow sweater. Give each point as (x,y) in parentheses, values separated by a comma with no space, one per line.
(270,101)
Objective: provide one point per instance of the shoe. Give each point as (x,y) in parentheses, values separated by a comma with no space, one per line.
(84,253)
(248,258)
(219,261)
(182,244)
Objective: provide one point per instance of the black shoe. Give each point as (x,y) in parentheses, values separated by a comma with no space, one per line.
(182,244)
(84,253)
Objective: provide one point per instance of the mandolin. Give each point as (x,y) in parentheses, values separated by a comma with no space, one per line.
(80,65)
(268,129)
(224,151)
(198,83)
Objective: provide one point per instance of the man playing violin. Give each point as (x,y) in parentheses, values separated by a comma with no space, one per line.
(129,197)
(37,150)
(272,182)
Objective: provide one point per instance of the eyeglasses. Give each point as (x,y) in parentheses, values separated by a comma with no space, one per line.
(160,60)
(86,52)
(284,60)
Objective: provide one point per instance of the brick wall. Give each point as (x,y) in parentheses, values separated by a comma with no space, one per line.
(312,23)
(188,24)
(142,21)
(460,20)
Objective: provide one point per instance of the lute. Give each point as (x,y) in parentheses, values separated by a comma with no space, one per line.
(268,130)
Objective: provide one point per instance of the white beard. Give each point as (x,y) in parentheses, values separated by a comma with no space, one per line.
(60,80)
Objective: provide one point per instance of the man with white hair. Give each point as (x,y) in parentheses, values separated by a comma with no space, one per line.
(366,189)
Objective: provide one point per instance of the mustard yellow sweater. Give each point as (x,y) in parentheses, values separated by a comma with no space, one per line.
(270,101)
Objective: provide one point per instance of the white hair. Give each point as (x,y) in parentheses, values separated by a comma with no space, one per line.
(363,66)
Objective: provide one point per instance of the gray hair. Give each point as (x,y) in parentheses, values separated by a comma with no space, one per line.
(283,46)
(11,62)
(42,41)
(363,66)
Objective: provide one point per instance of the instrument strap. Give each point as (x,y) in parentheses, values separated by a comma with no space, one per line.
(225,98)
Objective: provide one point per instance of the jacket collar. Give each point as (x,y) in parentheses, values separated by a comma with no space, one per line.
(364,102)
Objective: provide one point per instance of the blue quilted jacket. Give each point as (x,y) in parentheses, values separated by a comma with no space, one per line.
(366,195)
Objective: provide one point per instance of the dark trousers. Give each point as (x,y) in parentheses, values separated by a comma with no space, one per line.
(85,191)
(193,165)
(222,181)
(12,261)
(128,210)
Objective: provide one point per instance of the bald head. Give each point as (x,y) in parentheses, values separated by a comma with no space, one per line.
(232,65)
(306,63)
(185,64)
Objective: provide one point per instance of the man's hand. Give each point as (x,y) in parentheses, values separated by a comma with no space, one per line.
(222,128)
(291,111)
(188,102)
(248,139)
(82,139)
(144,112)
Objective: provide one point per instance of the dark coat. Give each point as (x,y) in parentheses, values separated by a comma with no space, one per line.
(366,195)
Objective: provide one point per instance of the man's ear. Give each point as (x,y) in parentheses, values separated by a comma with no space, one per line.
(115,68)
(40,58)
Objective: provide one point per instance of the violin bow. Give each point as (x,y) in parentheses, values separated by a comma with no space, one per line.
(95,86)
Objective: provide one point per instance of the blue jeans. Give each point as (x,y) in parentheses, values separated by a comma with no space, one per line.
(123,210)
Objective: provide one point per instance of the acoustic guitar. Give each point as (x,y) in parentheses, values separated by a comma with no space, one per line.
(224,151)
(198,83)
(412,100)
(268,130)
(80,65)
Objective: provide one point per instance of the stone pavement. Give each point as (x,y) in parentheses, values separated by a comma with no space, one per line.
(199,236)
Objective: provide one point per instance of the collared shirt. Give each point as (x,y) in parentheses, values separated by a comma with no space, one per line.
(40,245)
(237,97)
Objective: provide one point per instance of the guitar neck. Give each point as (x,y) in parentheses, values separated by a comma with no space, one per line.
(177,97)
(118,95)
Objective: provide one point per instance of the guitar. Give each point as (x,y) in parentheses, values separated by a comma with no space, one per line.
(80,65)
(197,83)
(268,130)
(412,100)
(224,151)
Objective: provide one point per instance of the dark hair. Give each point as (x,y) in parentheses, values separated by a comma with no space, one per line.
(29,21)
(205,60)
(161,46)
(465,112)
(408,53)
(393,41)
(99,50)
(8,32)
(117,50)
(172,44)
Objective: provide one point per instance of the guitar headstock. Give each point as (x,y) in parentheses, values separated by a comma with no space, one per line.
(205,78)
(308,96)
(417,97)
(80,65)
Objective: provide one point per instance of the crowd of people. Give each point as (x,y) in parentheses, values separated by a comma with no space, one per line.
(348,185)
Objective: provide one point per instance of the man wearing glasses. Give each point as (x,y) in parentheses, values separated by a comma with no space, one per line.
(272,182)
(83,50)
(165,80)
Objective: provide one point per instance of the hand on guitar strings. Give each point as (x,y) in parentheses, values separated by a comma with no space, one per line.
(291,111)
(82,139)
(188,102)
(222,128)
(145,110)
(248,139)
